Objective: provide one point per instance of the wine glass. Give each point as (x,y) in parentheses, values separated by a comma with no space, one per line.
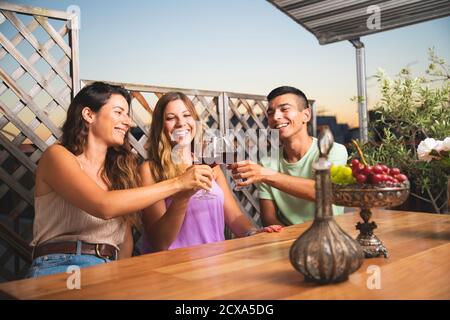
(239,153)
(210,156)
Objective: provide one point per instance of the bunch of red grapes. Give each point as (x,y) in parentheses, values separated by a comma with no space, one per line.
(377,174)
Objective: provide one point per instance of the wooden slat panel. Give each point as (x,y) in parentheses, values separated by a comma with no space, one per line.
(222,109)
(262,106)
(30,69)
(54,14)
(36,155)
(52,104)
(138,121)
(252,114)
(16,242)
(213,113)
(19,209)
(18,38)
(30,104)
(3,156)
(17,141)
(24,128)
(51,140)
(75,65)
(32,60)
(158,90)
(54,35)
(17,175)
(3,120)
(238,114)
(139,148)
(12,149)
(233,95)
(16,186)
(139,97)
(250,198)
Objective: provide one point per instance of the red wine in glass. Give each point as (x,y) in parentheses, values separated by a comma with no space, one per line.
(230,157)
(223,158)
(210,161)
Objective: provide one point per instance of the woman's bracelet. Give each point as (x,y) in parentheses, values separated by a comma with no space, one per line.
(251,232)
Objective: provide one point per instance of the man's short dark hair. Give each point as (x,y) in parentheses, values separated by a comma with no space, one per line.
(286,89)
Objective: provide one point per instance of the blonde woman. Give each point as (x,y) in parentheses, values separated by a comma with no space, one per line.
(183,220)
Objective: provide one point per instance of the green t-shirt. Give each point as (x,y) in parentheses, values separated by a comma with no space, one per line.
(294,210)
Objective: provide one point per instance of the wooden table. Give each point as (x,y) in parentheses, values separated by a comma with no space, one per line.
(258,267)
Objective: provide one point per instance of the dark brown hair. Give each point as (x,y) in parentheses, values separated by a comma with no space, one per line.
(285,90)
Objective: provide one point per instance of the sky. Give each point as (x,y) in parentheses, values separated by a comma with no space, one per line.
(245,46)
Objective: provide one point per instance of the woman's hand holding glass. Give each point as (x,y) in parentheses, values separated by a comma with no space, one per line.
(197,177)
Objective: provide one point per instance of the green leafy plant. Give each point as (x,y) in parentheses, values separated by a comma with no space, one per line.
(411,110)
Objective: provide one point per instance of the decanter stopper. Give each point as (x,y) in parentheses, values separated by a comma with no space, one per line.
(325,253)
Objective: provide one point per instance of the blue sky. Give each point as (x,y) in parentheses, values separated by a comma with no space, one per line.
(237,45)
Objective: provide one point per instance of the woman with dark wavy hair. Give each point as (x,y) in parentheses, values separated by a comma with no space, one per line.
(184,220)
(86,187)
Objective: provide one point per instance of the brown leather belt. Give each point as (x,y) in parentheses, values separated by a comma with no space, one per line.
(101,250)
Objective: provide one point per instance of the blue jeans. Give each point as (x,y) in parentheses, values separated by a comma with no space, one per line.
(60,262)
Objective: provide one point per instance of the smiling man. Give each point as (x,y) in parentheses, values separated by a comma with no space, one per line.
(287,188)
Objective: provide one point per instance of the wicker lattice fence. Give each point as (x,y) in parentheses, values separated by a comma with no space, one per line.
(39,75)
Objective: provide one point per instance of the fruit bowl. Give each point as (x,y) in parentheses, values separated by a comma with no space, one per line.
(369,196)
(365,197)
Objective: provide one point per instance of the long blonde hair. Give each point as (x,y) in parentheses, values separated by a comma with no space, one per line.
(159,147)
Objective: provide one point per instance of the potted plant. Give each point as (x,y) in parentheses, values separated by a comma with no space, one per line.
(411,110)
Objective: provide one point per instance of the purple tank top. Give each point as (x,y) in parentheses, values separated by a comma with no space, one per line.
(203,222)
